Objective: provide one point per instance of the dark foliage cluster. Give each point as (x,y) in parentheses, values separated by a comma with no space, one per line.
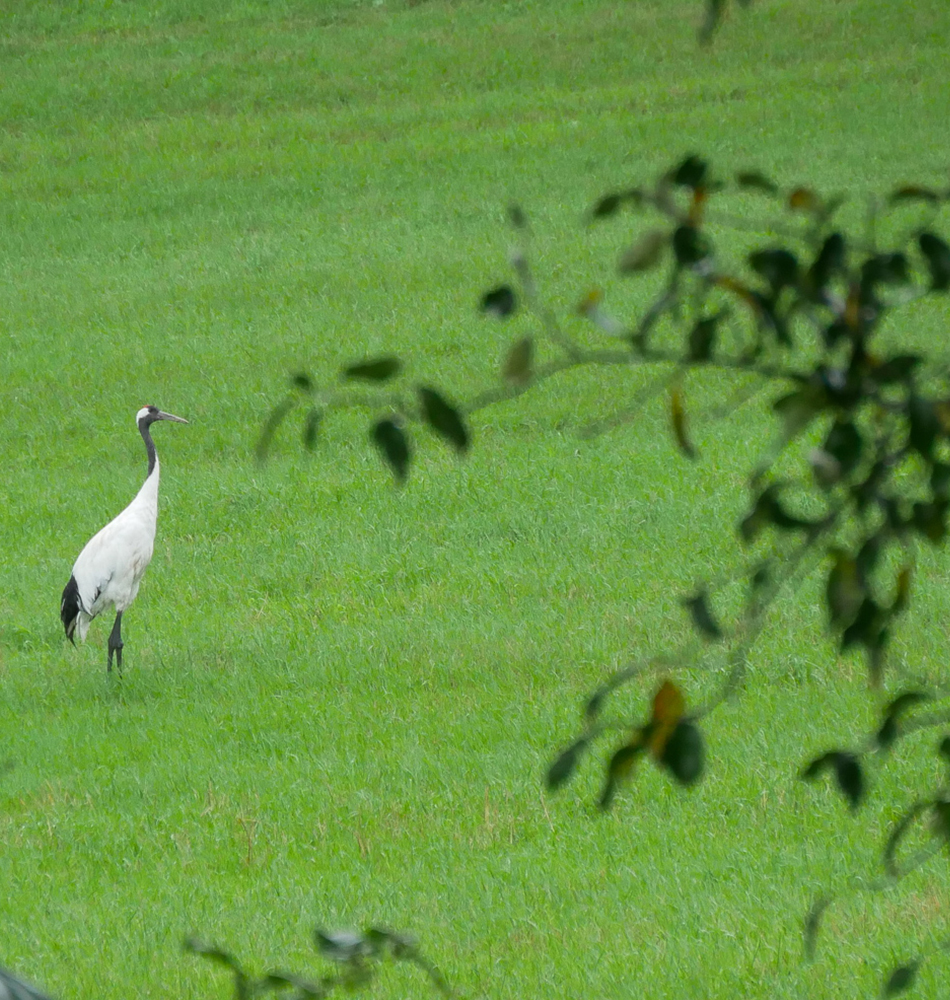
(857,474)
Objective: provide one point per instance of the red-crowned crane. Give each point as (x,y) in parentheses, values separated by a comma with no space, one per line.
(110,568)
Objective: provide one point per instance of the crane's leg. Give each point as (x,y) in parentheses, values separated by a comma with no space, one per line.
(115,642)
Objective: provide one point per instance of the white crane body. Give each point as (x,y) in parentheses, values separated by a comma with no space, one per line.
(112,563)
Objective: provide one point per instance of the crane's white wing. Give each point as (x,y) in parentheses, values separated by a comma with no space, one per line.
(110,567)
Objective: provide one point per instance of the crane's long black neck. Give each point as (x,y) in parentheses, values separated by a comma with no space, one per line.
(144,426)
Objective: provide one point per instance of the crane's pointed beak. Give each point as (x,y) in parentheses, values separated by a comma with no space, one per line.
(170,416)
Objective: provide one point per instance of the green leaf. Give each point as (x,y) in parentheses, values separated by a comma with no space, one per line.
(563,767)
(683,753)
(850,778)
(937,254)
(829,262)
(608,205)
(698,607)
(500,302)
(517,366)
(210,951)
(270,428)
(845,590)
(690,173)
(924,425)
(812,923)
(930,519)
(310,427)
(889,729)
(374,369)
(940,481)
(884,268)
(848,773)
(778,266)
(645,253)
(444,419)
(913,192)
(844,444)
(391,440)
(897,368)
(517,217)
(689,246)
(901,979)
(752,180)
(702,337)
(617,770)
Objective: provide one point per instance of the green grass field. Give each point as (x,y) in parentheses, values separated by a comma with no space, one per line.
(340,698)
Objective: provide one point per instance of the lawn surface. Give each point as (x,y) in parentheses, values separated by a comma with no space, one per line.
(339,697)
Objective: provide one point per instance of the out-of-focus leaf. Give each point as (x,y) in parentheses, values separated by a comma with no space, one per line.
(698,607)
(374,369)
(391,440)
(768,511)
(752,180)
(848,773)
(898,368)
(270,428)
(607,205)
(940,481)
(563,767)
(690,173)
(798,408)
(778,266)
(844,443)
(689,246)
(937,253)
(682,755)
(845,590)
(645,253)
(889,854)
(913,192)
(850,778)
(940,817)
(812,924)
(702,337)
(619,768)
(901,979)
(829,262)
(889,729)
(924,425)
(884,268)
(500,302)
(803,199)
(444,419)
(678,418)
(668,704)
(517,217)
(611,203)
(212,952)
(278,981)
(930,519)
(301,381)
(712,18)
(902,596)
(517,366)
(311,425)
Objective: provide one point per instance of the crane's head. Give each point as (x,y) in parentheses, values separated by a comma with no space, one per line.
(149,414)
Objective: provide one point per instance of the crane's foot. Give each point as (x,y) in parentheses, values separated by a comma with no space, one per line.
(116,643)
